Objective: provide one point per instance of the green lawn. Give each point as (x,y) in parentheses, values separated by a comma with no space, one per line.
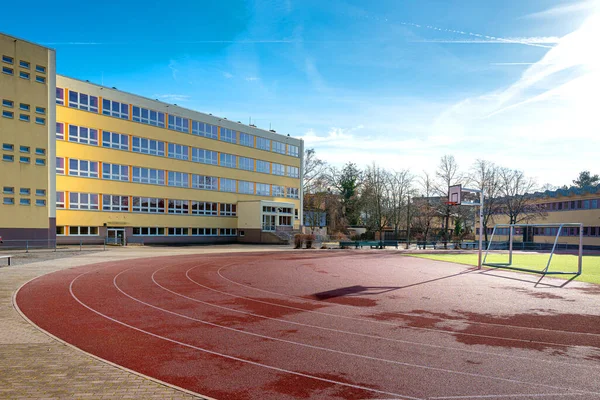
(560,262)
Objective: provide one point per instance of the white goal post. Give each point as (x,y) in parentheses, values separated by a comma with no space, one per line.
(549,230)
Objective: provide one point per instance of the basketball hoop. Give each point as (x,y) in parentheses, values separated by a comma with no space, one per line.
(451,203)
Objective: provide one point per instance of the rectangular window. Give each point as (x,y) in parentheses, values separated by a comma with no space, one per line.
(24,191)
(204,182)
(228,210)
(24,75)
(115,109)
(81,134)
(83,201)
(178,231)
(8,147)
(178,151)
(83,101)
(24,117)
(8,157)
(204,129)
(60,165)
(246,163)
(40,202)
(278,191)
(263,144)
(24,160)
(60,96)
(40,121)
(147,146)
(114,140)
(227,185)
(40,152)
(228,160)
(8,71)
(40,110)
(180,124)
(24,107)
(204,156)
(8,201)
(40,161)
(60,131)
(148,205)
(40,192)
(8,114)
(8,190)
(147,116)
(24,64)
(227,232)
(204,208)
(263,166)
(115,172)
(25,202)
(246,139)
(204,231)
(83,231)
(178,179)
(263,189)
(60,199)
(178,207)
(40,79)
(148,175)
(245,187)
(278,169)
(293,150)
(148,231)
(293,172)
(40,68)
(7,59)
(278,147)
(228,135)
(83,168)
(292,193)
(8,103)
(115,203)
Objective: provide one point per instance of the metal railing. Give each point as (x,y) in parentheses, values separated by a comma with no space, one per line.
(52,244)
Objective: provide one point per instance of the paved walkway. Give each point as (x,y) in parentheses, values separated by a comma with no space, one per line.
(35,366)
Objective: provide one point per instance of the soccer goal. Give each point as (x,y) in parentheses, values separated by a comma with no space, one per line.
(543,239)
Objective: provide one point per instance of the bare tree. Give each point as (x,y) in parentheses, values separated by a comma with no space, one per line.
(376,199)
(314,172)
(447,174)
(486,176)
(347,184)
(423,209)
(400,185)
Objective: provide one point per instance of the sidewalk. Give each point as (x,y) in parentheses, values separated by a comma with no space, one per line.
(35,366)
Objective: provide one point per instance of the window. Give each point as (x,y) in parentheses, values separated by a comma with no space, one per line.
(178,151)
(204,208)
(40,192)
(278,191)
(24,75)
(8,103)
(8,114)
(60,165)
(25,202)
(40,161)
(24,64)
(115,172)
(178,179)
(8,147)
(228,210)
(83,168)
(204,231)
(115,140)
(83,231)
(179,124)
(24,160)
(146,116)
(246,139)
(40,69)
(115,109)
(148,231)
(83,201)
(60,199)
(115,203)
(24,107)
(203,129)
(40,79)
(263,144)
(204,182)
(228,232)
(40,152)
(40,121)
(178,231)
(40,202)
(60,96)
(148,205)
(292,150)
(228,135)
(8,157)
(263,189)
(8,190)
(147,146)
(246,187)
(228,160)
(60,131)
(24,149)
(204,156)
(293,172)
(178,207)
(228,185)
(7,59)
(24,191)
(40,110)
(278,169)
(24,117)
(292,193)
(81,134)
(263,166)
(7,71)
(278,147)
(83,101)
(246,163)
(8,201)
(148,175)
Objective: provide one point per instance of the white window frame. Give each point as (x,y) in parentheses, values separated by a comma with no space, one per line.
(60,170)
(113,140)
(205,231)
(83,201)
(115,172)
(228,135)
(60,203)
(114,108)
(246,139)
(178,207)
(83,101)
(180,124)
(147,146)
(293,150)
(76,134)
(60,131)
(293,172)
(148,231)
(263,143)
(227,232)
(278,147)
(245,187)
(204,129)
(179,179)
(204,182)
(204,208)
(152,205)
(204,156)
(115,203)
(228,160)
(83,168)
(178,151)
(148,176)
(263,189)
(292,193)
(227,185)
(246,163)
(148,116)
(278,191)
(278,169)
(227,210)
(263,167)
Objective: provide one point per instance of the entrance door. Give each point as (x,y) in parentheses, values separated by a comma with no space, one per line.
(115,236)
(269,222)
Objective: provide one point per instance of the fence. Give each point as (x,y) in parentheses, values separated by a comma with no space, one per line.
(52,245)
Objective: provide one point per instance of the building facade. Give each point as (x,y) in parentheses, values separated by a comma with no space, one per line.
(27,86)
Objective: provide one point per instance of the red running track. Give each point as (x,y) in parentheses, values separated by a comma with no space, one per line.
(326,325)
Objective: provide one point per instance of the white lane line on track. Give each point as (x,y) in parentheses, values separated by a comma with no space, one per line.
(448,332)
(350,332)
(500,396)
(407,314)
(204,350)
(475,375)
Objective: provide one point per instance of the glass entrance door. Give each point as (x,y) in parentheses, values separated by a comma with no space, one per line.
(269,222)
(115,236)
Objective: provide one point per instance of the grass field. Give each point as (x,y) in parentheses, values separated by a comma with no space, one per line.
(535,261)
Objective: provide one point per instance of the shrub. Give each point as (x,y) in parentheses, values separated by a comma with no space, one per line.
(298,240)
(309,239)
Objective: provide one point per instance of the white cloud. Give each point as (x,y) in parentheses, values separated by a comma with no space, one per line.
(561,10)
(252,78)
(227,75)
(172,97)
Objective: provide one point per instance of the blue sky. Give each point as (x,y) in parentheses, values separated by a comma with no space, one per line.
(397,82)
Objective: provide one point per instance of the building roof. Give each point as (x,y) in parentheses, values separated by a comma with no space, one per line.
(573,190)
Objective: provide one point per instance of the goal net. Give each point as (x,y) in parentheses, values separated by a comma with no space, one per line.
(533,248)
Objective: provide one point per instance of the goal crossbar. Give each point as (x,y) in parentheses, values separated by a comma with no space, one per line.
(511,227)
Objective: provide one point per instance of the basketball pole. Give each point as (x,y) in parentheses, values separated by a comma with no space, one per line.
(480,228)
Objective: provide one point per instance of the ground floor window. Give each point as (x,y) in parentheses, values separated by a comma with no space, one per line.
(83,231)
(204,231)
(178,231)
(148,231)
(228,232)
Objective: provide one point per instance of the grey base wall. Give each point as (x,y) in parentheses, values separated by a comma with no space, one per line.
(257,236)
(9,234)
